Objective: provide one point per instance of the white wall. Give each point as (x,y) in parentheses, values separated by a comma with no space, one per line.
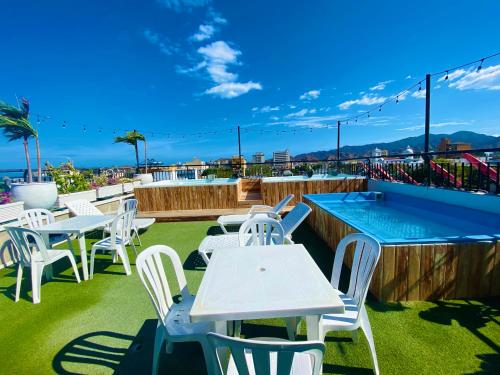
(488,203)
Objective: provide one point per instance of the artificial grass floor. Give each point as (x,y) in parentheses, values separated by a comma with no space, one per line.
(107,325)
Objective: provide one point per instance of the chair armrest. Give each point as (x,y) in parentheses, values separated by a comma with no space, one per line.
(261,208)
(271,214)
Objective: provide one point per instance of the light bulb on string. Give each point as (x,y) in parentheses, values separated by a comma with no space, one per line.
(420,86)
(64,124)
(380,109)
(446,77)
(480,66)
(397,99)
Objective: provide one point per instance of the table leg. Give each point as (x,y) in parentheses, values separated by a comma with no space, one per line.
(83,256)
(314,329)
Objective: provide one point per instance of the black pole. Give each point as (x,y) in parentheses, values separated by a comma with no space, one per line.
(239,147)
(427,124)
(338,144)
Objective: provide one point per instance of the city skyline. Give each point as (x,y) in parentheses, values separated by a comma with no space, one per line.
(187,73)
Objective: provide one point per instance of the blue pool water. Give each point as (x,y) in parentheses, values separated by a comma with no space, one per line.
(396,218)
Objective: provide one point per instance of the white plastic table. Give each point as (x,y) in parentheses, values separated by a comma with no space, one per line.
(258,282)
(78,226)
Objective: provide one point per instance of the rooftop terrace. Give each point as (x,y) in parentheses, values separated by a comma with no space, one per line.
(107,324)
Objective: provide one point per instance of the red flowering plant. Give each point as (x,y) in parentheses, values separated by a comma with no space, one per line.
(5,198)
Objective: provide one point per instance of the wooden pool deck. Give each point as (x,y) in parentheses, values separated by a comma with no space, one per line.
(196,215)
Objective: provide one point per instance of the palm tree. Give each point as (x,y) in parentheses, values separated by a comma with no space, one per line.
(15,125)
(132,138)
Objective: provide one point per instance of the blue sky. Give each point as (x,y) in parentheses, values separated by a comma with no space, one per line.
(186,72)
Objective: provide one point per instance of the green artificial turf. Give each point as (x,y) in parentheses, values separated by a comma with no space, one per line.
(107,324)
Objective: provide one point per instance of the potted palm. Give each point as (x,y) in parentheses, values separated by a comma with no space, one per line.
(132,138)
(16,126)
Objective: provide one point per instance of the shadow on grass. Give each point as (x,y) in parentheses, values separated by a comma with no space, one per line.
(194,262)
(472,316)
(214,231)
(97,352)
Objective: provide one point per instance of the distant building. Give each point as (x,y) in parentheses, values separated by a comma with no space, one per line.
(258,158)
(281,159)
(447,145)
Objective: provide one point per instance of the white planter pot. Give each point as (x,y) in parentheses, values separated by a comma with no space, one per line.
(35,195)
(90,195)
(128,187)
(109,191)
(146,178)
(10,211)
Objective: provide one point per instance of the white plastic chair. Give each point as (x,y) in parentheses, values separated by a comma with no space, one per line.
(366,256)
(173,318)
(255,211)
(116,243)
(289,223)
(82,207)
(38,217)
(138,223)
(34,254)
(261,232)
(266,356)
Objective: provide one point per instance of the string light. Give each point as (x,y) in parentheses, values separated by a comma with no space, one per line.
(64,124)
(446,77)
(420,86)
(480,66)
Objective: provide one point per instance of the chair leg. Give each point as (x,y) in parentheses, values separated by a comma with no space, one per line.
(70,244)
(366,327)
(122,252)
(19,281)
(159,339)
(92,260)
(133,246)
(210,361)
(136,232)
(36,282)
(355,336)
(73,264)
(224,230)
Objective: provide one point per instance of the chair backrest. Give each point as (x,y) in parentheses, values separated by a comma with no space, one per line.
(20,237)
(261,231)
(365,259)
(282,204)
(295,217)
(36,217)
(122,226)
(152,273)
(259,353)
(128,204)
(82,207)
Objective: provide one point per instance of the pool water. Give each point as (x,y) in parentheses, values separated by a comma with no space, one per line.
(396,218)
(214,181)
(306,178)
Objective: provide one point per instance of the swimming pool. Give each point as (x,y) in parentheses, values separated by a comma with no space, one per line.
(430,250)
(397,219)
(193,182)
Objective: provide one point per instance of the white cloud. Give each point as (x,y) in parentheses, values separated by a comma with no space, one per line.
(486,79)
(419,94)
(204,32)
(291,106)
(437,125)
(228,90)
(380,86)
(216,17)
(408,76)
(180,5)
(162,42)
(300,113)
(266,109)
(310,95)
(216,58)
(364,100)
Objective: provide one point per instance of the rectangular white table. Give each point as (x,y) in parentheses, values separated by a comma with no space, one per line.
(78,226)
(258,282)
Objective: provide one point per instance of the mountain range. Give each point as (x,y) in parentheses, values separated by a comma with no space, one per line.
(417,143)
